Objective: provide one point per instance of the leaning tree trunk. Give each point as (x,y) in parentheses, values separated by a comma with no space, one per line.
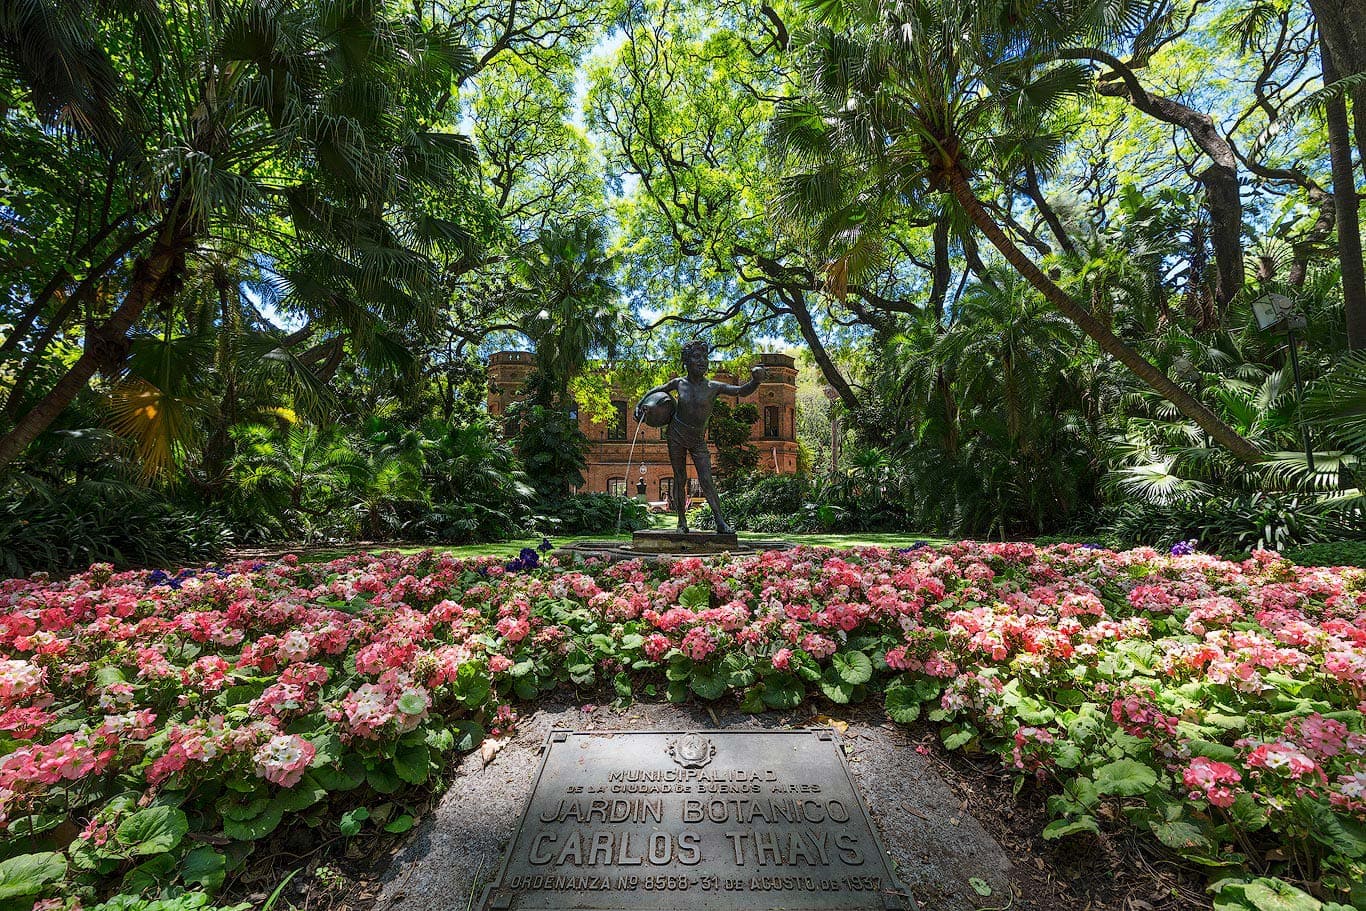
(1110,343)
(102,343)
(1220,179)
(1345,199)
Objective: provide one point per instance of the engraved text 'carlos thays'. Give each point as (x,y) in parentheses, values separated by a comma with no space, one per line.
(677,820)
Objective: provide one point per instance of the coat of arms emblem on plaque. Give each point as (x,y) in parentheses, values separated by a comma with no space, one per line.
(692,751)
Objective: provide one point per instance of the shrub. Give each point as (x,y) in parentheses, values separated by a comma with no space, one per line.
(70,528)
(1332,553)
(1232,526)
(769,494)
(779,504)
(592,514)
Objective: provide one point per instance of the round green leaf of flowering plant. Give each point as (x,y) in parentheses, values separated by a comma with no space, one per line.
(27,874)
(153,830)
(854,668)
(1124,778)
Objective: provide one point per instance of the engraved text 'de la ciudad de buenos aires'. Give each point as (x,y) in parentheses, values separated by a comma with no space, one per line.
(682,820)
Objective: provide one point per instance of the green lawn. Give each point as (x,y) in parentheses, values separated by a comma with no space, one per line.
(510,548)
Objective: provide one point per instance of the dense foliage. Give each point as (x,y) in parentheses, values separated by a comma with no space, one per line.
(1027,289)
(257,296)
(184,718)
(1344,553)
(1019,243)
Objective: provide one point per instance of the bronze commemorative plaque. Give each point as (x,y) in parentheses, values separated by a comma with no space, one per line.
(695,821)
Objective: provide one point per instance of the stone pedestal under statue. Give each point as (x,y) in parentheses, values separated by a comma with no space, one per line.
(668,544)
(669,541)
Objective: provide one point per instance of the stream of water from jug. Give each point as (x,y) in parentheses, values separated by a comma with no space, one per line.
(630,454)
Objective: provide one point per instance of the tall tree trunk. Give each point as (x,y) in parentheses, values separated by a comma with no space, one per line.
(1314,239)
(1345,199)
(1111,344)
(942,272)
(108,338)
(1220,181)
(25,323)
(19,391)
(218,445)
(941,383)
(1342,35)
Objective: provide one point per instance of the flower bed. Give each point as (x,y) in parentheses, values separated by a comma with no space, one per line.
(154,728)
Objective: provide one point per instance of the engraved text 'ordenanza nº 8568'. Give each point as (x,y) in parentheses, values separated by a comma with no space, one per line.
(695,820)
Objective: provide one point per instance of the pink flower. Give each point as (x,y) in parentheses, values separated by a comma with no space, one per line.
(656,646)
(1322,736)
(897,659)
(937,666)
(782,659)
(818,646)
(1211,780)
(283,759)
(1138,715)
(513,629)
(366,709)
(698,644)
(1031,748)
(1282,758)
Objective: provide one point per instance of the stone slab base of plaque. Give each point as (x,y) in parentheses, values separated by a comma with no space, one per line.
(695,821)
(929,827)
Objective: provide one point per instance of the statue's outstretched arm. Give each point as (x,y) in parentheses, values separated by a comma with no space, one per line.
(756,376)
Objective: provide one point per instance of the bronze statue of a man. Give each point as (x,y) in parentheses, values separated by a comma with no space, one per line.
(688,429)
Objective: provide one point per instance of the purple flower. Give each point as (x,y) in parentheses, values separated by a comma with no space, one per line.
(1184,548)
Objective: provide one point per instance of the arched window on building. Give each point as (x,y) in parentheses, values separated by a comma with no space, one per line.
(772,425)
(616,487)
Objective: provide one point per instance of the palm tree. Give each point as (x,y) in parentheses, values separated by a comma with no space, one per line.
(1005,345)
(300,471)
(991,442)
(472,478)
(297,131)
(467,463)
(568,298)
(910,98)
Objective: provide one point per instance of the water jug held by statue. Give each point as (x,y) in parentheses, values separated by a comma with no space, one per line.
(657,410)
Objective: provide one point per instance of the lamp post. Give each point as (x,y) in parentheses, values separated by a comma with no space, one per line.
(1276,311)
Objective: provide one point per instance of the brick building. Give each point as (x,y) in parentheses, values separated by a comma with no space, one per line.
(774,433)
